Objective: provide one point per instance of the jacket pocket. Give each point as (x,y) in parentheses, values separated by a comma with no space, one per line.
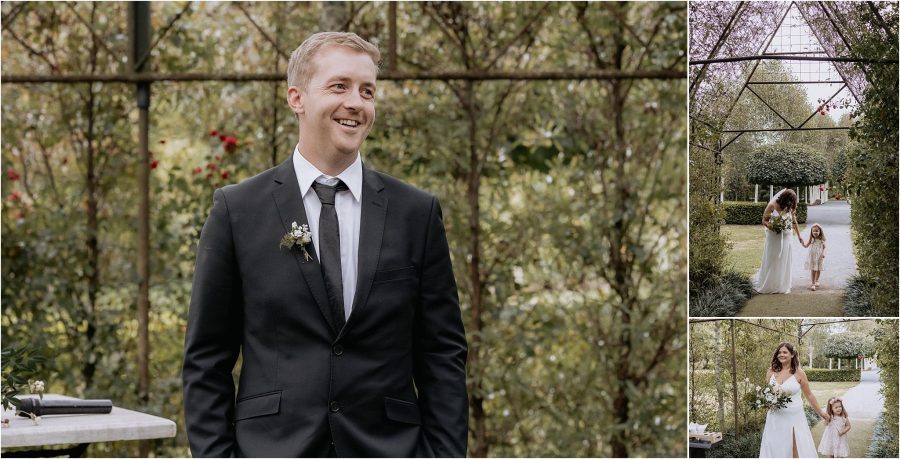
(258,405)
(388,275)
(402,411)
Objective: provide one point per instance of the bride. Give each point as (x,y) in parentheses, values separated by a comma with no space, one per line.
(786,433)
(774,275)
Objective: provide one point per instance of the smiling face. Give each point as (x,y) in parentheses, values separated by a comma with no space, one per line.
(784,356)
(336,110)
(816,232)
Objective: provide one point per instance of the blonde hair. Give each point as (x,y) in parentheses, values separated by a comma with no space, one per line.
(301,66)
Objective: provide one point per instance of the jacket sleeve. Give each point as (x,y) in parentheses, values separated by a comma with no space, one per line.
(213,338)
(440,349)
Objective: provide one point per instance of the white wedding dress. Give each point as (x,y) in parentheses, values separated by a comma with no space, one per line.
(781,424)
(774,275)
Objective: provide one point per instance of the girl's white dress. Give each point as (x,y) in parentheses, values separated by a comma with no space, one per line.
(785,423)
(833,443)
(774,275)
(815,262)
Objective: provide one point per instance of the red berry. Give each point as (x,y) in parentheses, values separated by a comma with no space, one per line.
(218,158)
(222,137)
(198,170)
(154,164)
(15,196)
(213,132)
(12,175)
(224,175)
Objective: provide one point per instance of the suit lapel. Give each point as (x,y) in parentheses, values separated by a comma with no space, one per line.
(371,229)
(290,207)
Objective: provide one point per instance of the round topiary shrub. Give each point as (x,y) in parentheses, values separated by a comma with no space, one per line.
(849,345)
(786,164)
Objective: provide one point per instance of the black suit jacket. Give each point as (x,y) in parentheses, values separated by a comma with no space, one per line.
(390,383)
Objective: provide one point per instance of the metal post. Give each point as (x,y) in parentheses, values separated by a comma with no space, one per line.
(737,429)
(139,36)
(719,178)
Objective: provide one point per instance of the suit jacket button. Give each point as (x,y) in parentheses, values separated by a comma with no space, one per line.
(337,349)
(334,407)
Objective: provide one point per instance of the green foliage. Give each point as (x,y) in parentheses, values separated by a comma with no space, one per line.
(786,164)
(719,295)
(753,349)
(839,169)
(812,418)
(708,246)
(745,445)
(873,167)
(849,345)
(20,364)
(577,298)
(859,297)
(833,375)
(885,438)
(750,213)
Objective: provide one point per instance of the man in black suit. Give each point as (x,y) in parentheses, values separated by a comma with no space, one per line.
(350,331)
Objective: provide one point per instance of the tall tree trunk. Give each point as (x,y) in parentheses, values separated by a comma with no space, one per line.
(720,393)
(618,252)
(473,186)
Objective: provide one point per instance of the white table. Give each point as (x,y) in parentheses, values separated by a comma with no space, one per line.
(120,424)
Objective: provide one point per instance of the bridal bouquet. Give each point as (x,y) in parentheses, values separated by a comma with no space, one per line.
(777,225)
(768,397)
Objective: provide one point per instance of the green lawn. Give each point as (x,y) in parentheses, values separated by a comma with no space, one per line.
(746,252)
(825,390)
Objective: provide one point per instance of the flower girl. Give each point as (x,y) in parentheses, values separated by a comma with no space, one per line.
(816,260)
(834,439)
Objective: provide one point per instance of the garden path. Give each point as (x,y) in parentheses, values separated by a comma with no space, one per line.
(864,403)
(840,265)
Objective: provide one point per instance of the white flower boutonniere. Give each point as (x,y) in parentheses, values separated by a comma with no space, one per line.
(298,236)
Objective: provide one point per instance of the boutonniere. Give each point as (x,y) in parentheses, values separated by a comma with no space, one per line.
(298,236)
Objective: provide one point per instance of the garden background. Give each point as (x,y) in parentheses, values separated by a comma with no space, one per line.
(854,359)
(563,197)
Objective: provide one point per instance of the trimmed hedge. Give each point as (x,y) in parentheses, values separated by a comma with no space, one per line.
(787,164)
(750,213)
(826,375)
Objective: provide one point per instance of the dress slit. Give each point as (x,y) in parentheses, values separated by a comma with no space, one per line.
(794,443)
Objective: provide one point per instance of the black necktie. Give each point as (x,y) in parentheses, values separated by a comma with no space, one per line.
(330,249)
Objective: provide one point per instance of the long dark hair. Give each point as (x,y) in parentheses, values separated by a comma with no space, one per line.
(795,361)
(787,200)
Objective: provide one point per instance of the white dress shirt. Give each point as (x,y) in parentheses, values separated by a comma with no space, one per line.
(347,205)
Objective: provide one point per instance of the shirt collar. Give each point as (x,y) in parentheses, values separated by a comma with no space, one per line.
(307,174)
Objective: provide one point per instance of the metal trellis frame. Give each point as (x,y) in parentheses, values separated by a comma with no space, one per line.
(140,49)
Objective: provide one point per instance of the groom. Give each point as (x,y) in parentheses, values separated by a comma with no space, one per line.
(350,336)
